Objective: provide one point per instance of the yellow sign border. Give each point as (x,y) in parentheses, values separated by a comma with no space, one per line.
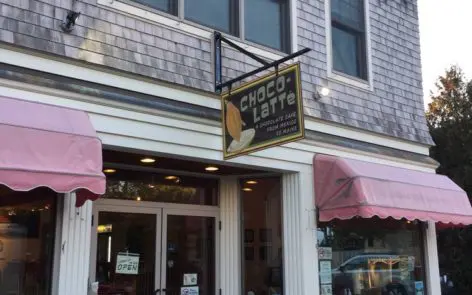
(301,118)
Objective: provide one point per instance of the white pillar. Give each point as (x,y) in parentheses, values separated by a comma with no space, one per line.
(432,260)
(74,247)
(230,237)
(300,251)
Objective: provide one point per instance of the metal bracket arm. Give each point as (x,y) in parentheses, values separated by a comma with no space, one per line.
(219,84)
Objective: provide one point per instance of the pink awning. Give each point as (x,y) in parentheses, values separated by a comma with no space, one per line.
(345,188)
(48,146)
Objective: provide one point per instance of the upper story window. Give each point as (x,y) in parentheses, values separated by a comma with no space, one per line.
(265,22)
(349,38)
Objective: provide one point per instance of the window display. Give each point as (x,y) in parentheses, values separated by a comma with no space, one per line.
(27,227)
(371,257)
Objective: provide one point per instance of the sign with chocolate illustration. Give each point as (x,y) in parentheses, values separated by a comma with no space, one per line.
(263,113)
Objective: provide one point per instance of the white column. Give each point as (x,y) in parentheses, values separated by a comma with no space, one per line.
(75,247)
(432,260)
(230,243)
(300,252)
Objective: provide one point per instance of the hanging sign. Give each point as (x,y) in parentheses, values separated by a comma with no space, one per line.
(263,113)
(127,263)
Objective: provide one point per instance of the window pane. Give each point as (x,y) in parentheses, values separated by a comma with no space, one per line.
(347,55)
(371,256)
(126,235)
(217,14)
(262,228)
(349,13)
(152,187)
(169,6)
(266,22)
(27,228)
(191,249)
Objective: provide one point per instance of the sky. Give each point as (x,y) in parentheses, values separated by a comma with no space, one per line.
(445,32)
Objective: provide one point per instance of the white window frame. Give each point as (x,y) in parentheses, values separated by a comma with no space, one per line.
(173,22)
(340,77)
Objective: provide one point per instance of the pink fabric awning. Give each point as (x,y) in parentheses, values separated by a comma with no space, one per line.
(48,146)
(345,188)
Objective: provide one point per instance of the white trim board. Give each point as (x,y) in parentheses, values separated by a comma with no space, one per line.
(133,129)
(202,99)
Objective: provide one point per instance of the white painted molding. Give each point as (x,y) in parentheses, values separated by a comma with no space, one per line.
(365,136)
(432,260)
(230,237)
(91,75)
(75,247)
(293,231)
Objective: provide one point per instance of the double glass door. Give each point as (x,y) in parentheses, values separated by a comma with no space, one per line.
(147,251)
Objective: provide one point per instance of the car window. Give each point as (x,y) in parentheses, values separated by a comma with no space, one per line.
(355,264)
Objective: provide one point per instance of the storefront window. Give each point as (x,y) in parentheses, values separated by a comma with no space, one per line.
(27,227)
(168,188)
(262,236)
(371,257)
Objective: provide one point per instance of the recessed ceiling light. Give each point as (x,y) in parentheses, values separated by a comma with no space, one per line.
(212,168)
(247,189)
(171,177)
(251,182)
(138,199)
(148,160)
(109,170)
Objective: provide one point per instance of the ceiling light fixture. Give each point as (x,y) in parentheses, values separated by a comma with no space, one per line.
(212,168)
(247,189)
(109,170)
(148,160)
(171,177)
(251,182)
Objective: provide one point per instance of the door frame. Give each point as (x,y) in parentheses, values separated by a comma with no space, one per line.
(190,212)
(161,210)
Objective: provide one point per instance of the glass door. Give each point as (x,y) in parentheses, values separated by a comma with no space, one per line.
(189,246)
(154,251)
(126,252)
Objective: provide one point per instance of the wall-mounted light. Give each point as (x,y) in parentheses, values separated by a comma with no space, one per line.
(69,23)
(321,92)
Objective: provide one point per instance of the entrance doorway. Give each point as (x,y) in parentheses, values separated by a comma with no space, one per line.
(147,248)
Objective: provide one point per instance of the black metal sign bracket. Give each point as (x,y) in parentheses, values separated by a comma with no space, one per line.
(219,84)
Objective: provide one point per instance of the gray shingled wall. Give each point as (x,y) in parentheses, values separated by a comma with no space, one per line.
(117,40)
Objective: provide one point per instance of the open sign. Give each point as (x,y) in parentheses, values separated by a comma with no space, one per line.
(127,263)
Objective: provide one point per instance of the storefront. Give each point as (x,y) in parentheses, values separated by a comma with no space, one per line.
(372,225)
(46,152)
(178,219)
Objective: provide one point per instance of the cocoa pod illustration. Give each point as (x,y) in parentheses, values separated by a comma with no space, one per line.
(233,121)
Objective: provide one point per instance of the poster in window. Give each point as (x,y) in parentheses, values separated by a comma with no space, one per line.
(249,253)
(248,236)
(325,253)
(326,289)
(419,288)
(325,278)
(325,266)
(265,235)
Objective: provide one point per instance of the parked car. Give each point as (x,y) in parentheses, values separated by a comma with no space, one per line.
(376,274)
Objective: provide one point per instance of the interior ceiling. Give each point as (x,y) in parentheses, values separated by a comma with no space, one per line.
(112,157)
